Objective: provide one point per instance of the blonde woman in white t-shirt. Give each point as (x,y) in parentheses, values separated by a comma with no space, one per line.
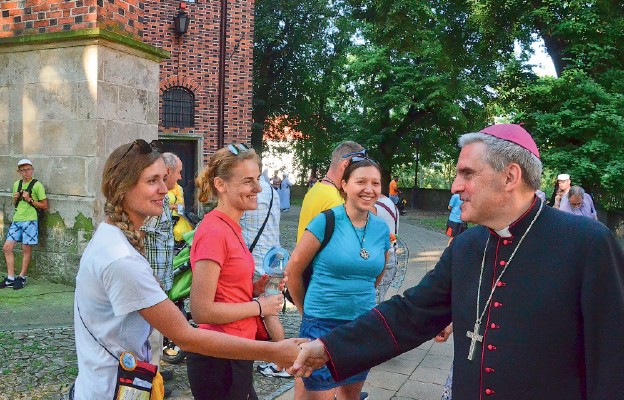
(118,299)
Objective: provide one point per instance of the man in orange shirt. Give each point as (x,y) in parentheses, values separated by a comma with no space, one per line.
(394,190)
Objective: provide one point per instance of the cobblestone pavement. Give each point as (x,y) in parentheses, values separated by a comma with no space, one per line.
(40,364)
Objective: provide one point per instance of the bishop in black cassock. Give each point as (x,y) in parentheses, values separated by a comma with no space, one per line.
(551,301)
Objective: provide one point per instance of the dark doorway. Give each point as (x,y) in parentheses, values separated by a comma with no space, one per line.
(187,151)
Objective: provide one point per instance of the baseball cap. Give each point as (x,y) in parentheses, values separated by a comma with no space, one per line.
(24,161)
(563,177)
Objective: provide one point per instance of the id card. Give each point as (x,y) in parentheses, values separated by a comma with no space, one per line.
(134,378)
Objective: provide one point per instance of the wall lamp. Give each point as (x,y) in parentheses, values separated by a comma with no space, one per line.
(181,21)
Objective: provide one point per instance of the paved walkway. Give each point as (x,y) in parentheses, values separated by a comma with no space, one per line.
(39,361)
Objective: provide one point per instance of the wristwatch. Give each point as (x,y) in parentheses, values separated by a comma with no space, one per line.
(31,201)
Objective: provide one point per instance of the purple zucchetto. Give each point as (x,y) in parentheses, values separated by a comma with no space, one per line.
(513,133)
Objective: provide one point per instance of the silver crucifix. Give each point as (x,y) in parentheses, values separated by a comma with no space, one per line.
(474,338)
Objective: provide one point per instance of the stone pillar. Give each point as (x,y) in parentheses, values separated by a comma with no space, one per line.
(68,99)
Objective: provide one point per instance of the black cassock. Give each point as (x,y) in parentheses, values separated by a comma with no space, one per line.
(554,328)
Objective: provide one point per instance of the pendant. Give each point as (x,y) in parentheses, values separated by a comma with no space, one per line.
(474,338)
(364,253)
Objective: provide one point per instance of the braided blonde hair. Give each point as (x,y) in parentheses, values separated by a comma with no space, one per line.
(121,173)
(220,165)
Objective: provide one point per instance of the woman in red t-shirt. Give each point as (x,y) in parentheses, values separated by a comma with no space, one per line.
(222,294)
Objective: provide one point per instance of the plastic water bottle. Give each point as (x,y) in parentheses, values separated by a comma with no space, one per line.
(276,274)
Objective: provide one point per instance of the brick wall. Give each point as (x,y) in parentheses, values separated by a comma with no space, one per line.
(29,17)
(194,64)
(194,61)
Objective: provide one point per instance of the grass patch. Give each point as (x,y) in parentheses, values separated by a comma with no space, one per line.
(434,223)
(296,201)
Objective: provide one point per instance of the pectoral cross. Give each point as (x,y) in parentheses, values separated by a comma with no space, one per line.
(474,338)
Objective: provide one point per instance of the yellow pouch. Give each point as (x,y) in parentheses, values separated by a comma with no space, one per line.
(181,227)
(158,388)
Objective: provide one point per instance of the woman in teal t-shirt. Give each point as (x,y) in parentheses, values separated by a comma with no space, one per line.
(345,272)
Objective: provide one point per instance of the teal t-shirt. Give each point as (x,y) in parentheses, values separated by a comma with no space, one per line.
(343,283)
(25,211)
(455,203)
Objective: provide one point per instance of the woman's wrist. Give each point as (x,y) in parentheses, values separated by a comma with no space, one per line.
(260,314)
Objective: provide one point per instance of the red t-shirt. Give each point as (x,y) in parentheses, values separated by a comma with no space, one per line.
(219,239)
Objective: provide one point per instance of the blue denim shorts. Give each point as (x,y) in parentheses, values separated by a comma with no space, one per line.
(321,379)
(26,232)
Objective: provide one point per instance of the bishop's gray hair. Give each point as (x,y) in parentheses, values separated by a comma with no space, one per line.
(500,153)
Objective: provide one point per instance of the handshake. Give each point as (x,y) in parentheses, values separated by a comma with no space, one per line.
(299,356)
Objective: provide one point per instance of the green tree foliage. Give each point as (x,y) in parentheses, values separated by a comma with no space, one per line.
(297,46)
(578,118)
(384,72)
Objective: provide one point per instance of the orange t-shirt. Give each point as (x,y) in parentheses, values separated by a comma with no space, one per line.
(394,191)
(219,239)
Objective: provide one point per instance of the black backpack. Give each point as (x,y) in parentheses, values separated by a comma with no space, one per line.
(29,188)
(330,222)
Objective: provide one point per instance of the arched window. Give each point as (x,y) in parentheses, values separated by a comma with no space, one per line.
(178,108)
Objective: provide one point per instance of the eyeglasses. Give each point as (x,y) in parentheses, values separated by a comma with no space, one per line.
(144,148)
(357,159)
(237,148)
(355,153)
(25,169)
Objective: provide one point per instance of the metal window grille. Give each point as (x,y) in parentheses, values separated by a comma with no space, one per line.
(178,108)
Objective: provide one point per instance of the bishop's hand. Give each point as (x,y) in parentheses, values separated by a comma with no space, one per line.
(312,356)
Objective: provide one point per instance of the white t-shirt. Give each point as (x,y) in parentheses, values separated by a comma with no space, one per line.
(389,219)
(114,282)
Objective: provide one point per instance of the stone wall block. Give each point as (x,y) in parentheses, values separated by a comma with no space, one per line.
(59,239)
(84,101)
(127,69)
(13,67)
(6,186)
(56,104)
(5,96)
(66,175)
(133,104)
(93,179)
(56,267)
(152,108)
(5,137)
(61,66)
(15,106)
(107,101)
(66,138)
(28,99)
(117,133)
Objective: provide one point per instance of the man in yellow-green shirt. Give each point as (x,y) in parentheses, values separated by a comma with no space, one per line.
(325,193)
(27,197)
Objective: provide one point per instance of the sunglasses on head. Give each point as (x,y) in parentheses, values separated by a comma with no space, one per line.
(355,153)
(357,159)
(237,148)
(144,148)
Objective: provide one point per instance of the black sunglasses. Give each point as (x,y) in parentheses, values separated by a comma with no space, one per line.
(357,159)
(237,148)
(144,148)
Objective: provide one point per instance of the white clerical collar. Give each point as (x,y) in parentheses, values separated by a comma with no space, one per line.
(504,232)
